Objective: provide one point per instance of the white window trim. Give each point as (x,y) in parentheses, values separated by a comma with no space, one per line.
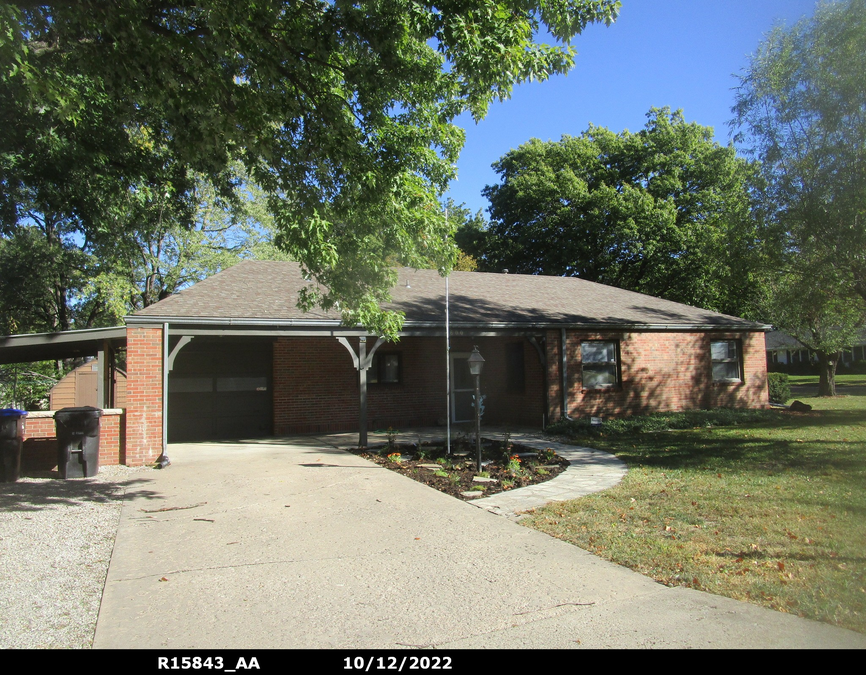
(739,361)
(615,363)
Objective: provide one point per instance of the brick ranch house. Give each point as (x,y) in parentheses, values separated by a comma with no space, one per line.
(241,360)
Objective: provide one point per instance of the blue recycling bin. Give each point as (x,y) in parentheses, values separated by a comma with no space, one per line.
(11,441)
(77,441)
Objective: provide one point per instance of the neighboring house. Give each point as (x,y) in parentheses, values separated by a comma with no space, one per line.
(244,361)
(80,387)
(785,350)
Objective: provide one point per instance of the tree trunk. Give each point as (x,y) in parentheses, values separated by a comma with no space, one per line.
(827,369)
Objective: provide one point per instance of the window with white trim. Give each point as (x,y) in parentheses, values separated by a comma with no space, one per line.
(599,364)
(725,355)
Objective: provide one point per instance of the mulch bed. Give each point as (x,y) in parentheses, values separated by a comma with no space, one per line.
(428,463)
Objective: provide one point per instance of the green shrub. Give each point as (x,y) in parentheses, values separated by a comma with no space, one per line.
(780,389)
(688,419)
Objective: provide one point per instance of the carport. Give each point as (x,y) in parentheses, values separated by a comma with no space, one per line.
(105,344)
(108,346)
(221,388)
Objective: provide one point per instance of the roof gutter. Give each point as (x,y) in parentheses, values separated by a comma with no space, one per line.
(63,336)
(333,324)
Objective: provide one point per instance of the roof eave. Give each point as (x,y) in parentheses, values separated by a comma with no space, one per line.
(332,324)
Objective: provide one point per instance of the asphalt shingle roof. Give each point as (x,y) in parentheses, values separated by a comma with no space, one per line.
(269,290)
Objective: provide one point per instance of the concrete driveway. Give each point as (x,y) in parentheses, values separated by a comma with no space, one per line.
(297,544)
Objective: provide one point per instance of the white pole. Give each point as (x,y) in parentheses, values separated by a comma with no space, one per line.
(447,360)
(447,366)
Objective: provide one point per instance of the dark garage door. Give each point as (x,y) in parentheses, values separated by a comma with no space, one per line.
(220,389)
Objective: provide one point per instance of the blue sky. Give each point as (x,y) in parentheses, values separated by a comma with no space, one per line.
(676,53)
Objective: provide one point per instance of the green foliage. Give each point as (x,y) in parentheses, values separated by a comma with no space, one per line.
(780,389)
(812,308)
(155,254)
(802,107)
(43,276)
(690,419)
(342,112)
(25,386)
(665,211)
(57,273)
(547,456)
(513,466)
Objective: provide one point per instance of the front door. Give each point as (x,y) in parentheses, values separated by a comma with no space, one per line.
(462,388)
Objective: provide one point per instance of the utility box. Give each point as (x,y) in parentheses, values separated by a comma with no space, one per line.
(11,441)
(77,441)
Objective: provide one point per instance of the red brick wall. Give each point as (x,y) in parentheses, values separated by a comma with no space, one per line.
(419,400)
(316,385)
(39,452)
(659,372)
(143,395)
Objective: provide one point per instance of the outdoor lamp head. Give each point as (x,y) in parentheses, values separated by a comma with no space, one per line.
(476,362)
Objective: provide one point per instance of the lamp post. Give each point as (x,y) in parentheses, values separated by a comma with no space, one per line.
(476,365)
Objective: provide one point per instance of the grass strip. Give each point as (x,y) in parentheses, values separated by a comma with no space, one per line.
(762,506)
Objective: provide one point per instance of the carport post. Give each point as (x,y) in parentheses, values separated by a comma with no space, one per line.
(362,374)
(163,459)
(103,389)
(362,361)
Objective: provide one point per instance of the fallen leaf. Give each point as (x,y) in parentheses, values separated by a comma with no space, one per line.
(163,579)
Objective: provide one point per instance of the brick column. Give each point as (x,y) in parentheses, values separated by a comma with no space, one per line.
(554,378)
(143,395)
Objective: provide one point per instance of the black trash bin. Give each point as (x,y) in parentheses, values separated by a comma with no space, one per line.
(77,441)
(11,440)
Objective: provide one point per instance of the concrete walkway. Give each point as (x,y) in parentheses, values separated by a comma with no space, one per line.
(590,471)
(293,543)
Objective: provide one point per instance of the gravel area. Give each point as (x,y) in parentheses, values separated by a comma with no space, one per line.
(56,539)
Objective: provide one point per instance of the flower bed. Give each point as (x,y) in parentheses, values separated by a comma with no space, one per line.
(505,466)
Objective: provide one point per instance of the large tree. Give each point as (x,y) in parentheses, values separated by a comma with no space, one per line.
(664,211)
(150,252)
(341,111)
(801,107)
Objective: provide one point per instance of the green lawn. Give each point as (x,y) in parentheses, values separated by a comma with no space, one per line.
(841,380)
(770,510)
